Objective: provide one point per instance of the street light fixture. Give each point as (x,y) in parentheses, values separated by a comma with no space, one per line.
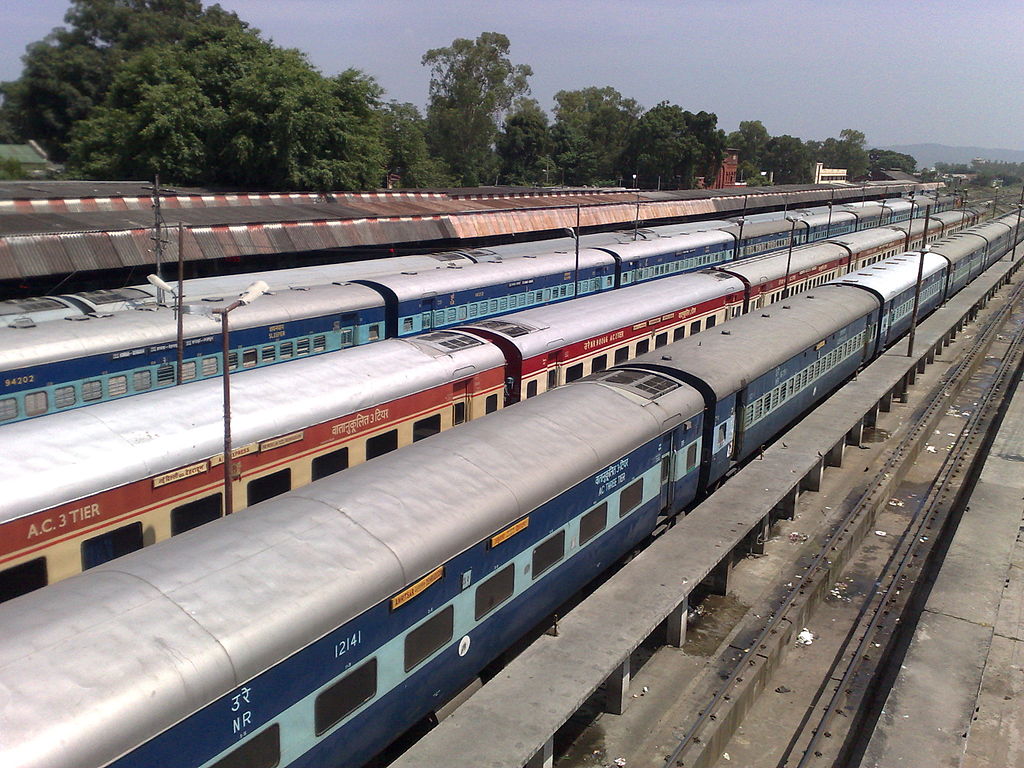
(252,293)
(574,233)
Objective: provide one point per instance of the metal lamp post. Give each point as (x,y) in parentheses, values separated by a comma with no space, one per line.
(254,291)
(910,222)
(575,235)
(828,226)
(1016,231)
(917,299)
(636,219)
(789,256)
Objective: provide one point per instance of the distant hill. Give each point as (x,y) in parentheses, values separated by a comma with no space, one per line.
(928,155)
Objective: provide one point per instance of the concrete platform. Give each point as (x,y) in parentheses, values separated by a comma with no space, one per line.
(521,708)
(957,699)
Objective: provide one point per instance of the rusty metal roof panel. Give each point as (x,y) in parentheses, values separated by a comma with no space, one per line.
(124,246)
(40,255)
(279,236)
(226,241)
(81,253)
(208,243)
(9,269)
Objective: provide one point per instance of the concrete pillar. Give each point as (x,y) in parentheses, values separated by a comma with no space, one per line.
(885,404)
(675,624)
(938,349)
(921,365)
(856,435)
(834,458)
(786,508)
(545,757)
(717,582)
(812,480)
(871,417)
(911,377)
(901,390)
(930,357)
(617,690)
(758,536)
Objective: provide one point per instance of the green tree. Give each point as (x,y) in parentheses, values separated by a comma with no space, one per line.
(845,152)
(674,145)
(473,83)
(11,170)
(751,140)
(885,159)
(591,130)
(751,174)
(523,145)
(224,106)
(788,158)
(405,141)
(67,74)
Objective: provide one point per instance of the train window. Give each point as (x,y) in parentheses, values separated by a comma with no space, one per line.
(496,590)
(574,372)
(249,358)
(531,389)
(378,445)
(319,343)
(429,637)
(548,553)
(643,346)
(695,327)
(287,349)
(63,397)
(679,333)
(599,364)
(711,322)
(329,463)
(268,354)
(621,355)
(36,404)
(407,325)
(666,469)
(631,497)
(660,340)
(463,312)
(261,751)
(268,486)
(691,457)
(165,374)
(346,696)
(232,361)
(20,579)
(491,404)
(8,408)
(552,378)
(302,347)
(426,427)
(593,522)
(188,371)
(458,413)
(107,546)
(346,333)
(209,366)
(195,513)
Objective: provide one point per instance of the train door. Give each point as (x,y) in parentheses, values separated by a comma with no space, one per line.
(460,402)
(668,458)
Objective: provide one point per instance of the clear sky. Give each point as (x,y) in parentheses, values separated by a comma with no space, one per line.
(946,71)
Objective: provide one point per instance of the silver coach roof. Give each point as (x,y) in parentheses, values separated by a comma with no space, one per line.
(753,344)
(88,666)
(441,282)
(557,325)
(59,340)
(892,276)
(638,249)
(283,279)
(772,266)
(70,455)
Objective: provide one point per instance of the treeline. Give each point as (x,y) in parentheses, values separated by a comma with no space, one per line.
(129,88)
(983,172)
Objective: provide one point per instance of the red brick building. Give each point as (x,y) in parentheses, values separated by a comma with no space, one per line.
(727,172)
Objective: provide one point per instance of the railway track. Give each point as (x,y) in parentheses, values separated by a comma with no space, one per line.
(831,722)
